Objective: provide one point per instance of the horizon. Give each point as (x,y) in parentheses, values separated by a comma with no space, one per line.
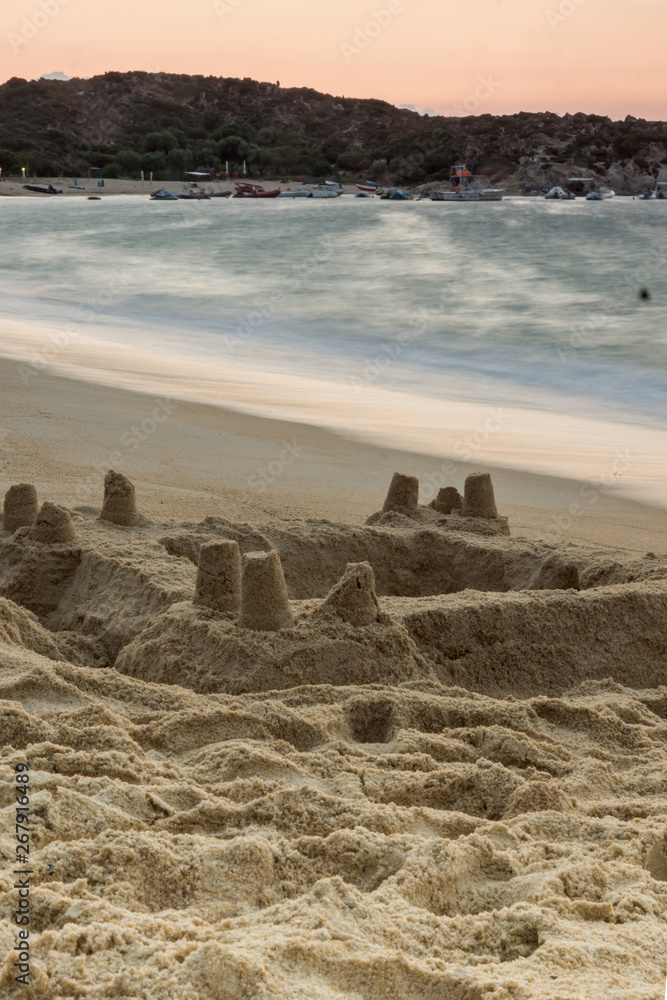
(508,56)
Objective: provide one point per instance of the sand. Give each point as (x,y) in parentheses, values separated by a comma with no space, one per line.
(426,763)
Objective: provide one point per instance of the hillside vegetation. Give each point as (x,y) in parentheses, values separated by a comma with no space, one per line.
(123,123)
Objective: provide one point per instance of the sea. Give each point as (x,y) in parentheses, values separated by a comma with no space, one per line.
(527,333)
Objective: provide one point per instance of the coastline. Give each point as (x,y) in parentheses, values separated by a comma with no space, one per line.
(194,459)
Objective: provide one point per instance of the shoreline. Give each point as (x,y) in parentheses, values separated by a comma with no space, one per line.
(193,459)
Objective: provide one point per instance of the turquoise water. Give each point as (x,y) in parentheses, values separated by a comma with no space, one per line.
(522,302)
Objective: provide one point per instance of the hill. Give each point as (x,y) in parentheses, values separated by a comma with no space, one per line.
(169,123)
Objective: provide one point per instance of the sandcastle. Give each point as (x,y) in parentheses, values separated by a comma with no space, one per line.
(218,583)
(448,501)
(265,605)
(20,508)
(403,495)
(353,598)
(119,501)
(479,500)
(52,526)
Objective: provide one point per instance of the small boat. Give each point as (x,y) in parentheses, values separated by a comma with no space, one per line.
(326,191)
(296,193)
(559,194)
(395,194)
(94,197)
(247,190)
(192,192)
(164,195)
(602,194)
(221,194)
(466,187)
(370,187)
(40,189)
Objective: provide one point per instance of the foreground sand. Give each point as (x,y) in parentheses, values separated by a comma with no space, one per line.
(462,797)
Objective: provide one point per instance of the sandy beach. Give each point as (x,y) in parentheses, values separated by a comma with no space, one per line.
(431,765)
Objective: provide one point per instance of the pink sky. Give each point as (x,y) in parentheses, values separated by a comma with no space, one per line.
(604,56)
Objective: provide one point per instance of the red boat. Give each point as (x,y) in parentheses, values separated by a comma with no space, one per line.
(246,190)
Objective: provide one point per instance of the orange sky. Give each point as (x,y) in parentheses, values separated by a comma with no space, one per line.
(495,56)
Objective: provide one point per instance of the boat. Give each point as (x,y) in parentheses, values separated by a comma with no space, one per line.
(326,191)
(164,195)
(370,187)
(464,186)
(295,193)
(221,194)
(559,194)
(648,196)
(245,189)
(602,194)
(41,189)
(192,192)
(395,194)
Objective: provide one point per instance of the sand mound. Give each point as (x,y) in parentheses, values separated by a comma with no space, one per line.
(443,778)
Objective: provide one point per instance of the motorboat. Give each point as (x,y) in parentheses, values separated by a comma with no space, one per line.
(602,194)
(245,189)
(395,194)
(295,193)
(370,187)
(559,194)
(192,192)
(464,186)
(164,195)
(41,188)
(221,194)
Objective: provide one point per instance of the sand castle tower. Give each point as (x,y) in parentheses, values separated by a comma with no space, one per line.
(448,500)
(403,495)
(264,603)
(353,598)
(479,500)
(21,507)
(219,577)
(53,525)
(120,505)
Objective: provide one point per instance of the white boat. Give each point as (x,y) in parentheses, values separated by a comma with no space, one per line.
(296,193)
(466,187)
(370,187)
(559,194)
(602,194)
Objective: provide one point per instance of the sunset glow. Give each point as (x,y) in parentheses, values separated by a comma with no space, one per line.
(556,55)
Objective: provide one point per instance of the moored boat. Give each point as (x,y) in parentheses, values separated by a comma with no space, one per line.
(602,194)
(464,186)
(559,194)
(395,194)
(370,187)
(164,195)
(41,189)
(245,189)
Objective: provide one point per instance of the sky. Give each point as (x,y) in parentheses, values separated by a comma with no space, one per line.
(477,57)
